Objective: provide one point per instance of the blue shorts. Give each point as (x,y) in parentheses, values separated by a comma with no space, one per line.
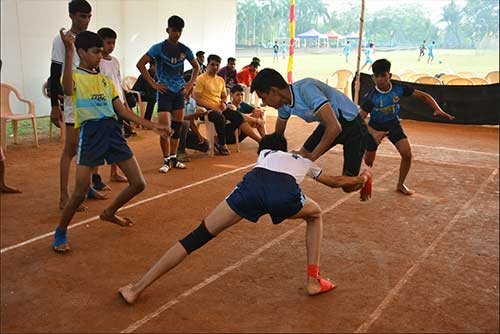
(396,133)
(353,137)
(263,191)
(170,101)
(102,140)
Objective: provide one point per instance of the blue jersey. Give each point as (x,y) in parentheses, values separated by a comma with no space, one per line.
(347,49)
(309,95)
(384,106)
(169,60)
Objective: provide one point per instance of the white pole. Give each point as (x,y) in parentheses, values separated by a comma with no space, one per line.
(360,42)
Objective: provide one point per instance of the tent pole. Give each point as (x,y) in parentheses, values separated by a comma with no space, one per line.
(360,42)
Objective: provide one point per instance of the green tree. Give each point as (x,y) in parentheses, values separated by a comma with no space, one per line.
(480,18)
(452,16)
(310,14)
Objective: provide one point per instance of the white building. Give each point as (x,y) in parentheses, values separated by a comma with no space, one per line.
(28,28)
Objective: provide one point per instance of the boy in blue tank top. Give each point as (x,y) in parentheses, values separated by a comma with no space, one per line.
(382,103)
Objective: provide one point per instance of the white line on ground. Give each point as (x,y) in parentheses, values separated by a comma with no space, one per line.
(88,220)
(227,270)
(455,149)
(439,162)
(394,291)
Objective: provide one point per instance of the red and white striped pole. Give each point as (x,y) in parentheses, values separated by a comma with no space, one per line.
(291,49)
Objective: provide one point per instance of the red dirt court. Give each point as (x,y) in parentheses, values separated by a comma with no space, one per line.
(425,263)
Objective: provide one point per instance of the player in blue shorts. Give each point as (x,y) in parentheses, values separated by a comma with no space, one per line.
(370,50)
(271,187)
(100,139)
(382,103)
(314,101)
(169,57)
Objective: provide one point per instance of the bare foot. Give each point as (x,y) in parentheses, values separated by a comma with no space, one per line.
(127,294)
(8,190)
(118,178)
(315,287)
(125,222)
(81,208)
(402,188)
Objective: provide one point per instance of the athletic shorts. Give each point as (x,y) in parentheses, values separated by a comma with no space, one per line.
(170,101)
(396,133)
(266,192)
(67,111)
(353,137)
(102,140)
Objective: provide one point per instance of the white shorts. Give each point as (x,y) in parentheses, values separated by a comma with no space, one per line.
(68,113)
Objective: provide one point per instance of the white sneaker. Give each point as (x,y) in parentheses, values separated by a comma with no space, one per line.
(165,168)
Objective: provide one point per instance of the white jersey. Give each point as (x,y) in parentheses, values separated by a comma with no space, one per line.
(58,57)
(111,68)
(288,163)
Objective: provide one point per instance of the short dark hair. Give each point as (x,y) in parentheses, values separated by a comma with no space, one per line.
(88,39)
(237,88)
(380,66)
(200,53)
(175,22)
(273,141)
(255,64)
(266,79)
(230,59)
(214,57)
(106,33)
(81,6)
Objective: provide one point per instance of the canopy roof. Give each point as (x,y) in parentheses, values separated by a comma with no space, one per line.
(312,34)
(333,35)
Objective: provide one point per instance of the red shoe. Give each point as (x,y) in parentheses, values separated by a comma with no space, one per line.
(366,191)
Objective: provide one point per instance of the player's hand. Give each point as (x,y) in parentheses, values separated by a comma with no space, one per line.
(232,107)
(223,106)
(440,112)
(163,130)
(258,113)
(378,135)
(162,88)
(56,116)
(67,39)
(188,88)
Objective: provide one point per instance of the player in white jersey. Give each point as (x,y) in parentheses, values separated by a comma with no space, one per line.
(271,187)
(80,12)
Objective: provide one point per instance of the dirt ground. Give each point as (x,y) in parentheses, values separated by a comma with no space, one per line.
(425,263)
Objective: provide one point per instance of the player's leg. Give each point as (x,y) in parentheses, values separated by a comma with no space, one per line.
(82,184)
(136,185)
(176,125)
(404,149)
(69,151)
(311,213)
(221,218)
(164,119)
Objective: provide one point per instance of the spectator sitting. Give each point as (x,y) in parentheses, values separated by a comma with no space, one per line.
(252,115)
(246,76)
(148,93)
(210,93)
(190,135)
(200,58)
(229,74)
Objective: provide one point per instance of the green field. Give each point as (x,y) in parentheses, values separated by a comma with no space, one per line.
(321,66)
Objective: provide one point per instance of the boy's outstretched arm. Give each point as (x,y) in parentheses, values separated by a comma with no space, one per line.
(123,112)
(430,101)
(352,183)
